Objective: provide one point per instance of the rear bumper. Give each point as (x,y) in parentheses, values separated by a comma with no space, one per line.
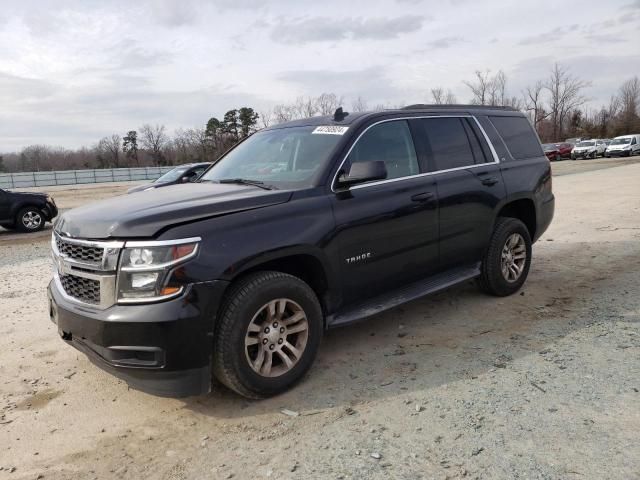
(164,348)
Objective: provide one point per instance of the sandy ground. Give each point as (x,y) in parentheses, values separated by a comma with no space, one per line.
(541,385)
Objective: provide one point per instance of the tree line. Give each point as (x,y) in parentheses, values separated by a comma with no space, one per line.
(555,105)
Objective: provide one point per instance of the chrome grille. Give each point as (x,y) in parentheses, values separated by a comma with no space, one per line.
(84,289)
(82,253)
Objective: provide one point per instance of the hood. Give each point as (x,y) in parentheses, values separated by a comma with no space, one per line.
(38,195)
(143,214)
(579,149)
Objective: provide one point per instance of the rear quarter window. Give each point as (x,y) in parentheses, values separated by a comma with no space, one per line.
(518,136)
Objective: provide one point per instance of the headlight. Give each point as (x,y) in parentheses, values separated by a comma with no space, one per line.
(145,269)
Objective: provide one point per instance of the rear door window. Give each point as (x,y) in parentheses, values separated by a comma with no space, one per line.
(447,143)
(518,135)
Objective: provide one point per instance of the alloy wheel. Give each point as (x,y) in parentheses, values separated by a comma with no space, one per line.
(514,257)
(31,220)
(276,337)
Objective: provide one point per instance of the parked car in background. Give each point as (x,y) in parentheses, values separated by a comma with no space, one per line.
(26,211)
(557,151)
(552,151)
(624,146)
(588,149)
(186,173)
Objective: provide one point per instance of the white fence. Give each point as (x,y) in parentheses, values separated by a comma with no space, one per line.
(73,177)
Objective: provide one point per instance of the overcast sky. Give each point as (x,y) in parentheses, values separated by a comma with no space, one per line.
(72,72)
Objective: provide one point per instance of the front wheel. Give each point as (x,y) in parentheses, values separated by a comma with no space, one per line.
(506,263)
(268,334)
(30,219)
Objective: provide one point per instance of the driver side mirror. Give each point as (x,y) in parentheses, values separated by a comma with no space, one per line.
(361,172)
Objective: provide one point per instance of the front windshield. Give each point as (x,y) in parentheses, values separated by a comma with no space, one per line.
(549,146)
(284,158)
(586,144)
(621,141)
(172,175)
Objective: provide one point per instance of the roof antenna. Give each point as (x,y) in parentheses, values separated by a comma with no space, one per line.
(339,115)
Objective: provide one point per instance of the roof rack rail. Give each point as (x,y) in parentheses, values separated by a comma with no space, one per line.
(423,106)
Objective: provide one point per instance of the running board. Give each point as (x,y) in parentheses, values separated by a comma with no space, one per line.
(402,295)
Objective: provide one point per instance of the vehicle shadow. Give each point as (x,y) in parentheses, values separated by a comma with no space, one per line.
(454,335)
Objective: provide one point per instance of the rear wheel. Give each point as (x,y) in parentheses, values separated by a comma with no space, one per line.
(506,263)
(268,334)
(30,219)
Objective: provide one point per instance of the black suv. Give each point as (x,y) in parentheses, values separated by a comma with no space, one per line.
(26,211)
(303,226)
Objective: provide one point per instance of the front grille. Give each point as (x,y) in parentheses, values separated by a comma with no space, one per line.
(81,253)
(84,289)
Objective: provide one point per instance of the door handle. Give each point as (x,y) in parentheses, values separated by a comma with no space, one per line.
(490,181)
(422,197)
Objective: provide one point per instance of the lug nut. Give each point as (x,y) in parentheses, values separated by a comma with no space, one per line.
(281,329)
(266,330)
(272,346)
(280,341)
(264,342)
(275,324)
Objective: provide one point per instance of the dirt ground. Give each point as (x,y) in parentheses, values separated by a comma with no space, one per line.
(541,385)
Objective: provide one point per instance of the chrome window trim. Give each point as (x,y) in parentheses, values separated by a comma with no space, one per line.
(496,161)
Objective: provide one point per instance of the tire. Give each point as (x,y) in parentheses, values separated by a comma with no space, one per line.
(492,279)
(558,158)
(248,303)
(30,219)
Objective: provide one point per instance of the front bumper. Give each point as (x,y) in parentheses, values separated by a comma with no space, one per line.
(164,348)
(618,153)
(50,211)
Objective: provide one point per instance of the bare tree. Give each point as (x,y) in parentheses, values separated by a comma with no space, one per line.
(439,97)
(359,105)
(565,96)
(266,117)
(534,103)
(480,88)
(113,144)
(305,107)
(328,103)
(283,113)
(154,139)
(629,95)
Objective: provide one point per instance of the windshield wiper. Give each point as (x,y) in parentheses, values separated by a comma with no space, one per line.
(246,181)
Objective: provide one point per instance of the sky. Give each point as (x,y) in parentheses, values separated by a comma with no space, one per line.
(72,72)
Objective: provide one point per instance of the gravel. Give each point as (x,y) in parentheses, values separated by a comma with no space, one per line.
(543,385)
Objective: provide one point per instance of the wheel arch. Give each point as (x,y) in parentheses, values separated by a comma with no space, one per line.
(309,265)
(524,209)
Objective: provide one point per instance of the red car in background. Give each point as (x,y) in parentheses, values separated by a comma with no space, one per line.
(557,151)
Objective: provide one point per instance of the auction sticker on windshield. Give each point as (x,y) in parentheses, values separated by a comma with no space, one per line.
(330,130)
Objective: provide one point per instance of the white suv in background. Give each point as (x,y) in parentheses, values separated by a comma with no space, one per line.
(624,146)
(588,149)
